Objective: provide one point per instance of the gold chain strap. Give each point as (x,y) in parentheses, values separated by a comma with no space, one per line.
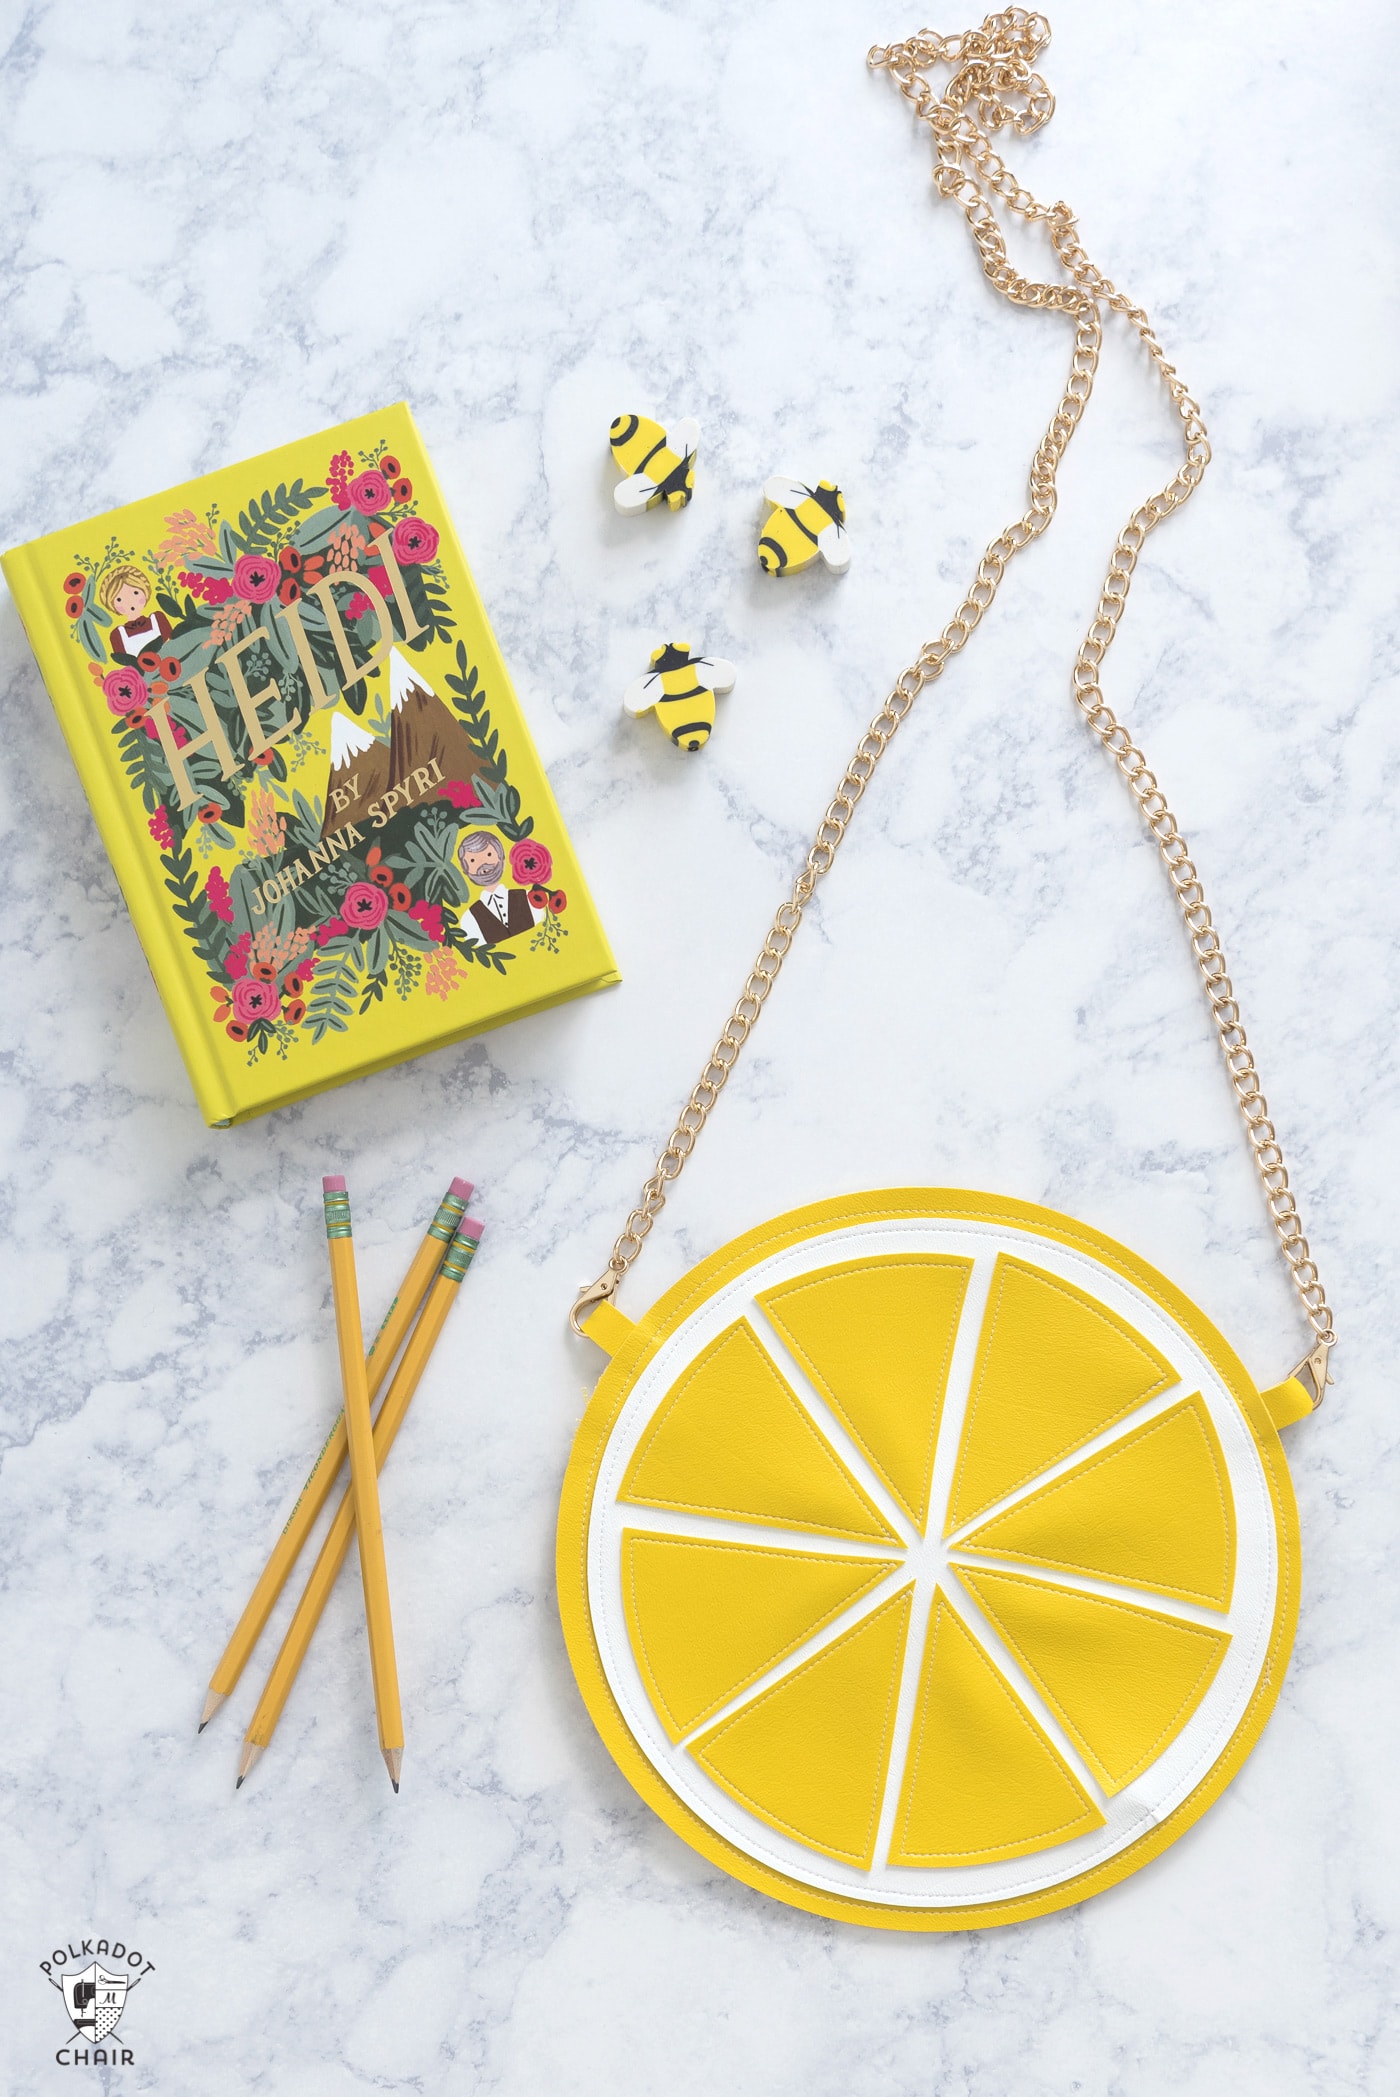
(990,65)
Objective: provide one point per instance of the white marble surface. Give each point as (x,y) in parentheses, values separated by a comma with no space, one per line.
(224,228)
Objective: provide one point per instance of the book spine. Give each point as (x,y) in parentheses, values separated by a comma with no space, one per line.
(118,812)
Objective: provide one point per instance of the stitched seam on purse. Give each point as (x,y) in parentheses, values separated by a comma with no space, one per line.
(651,1674)
(1069,1565)
(988,1219)
(1161,1383)
(744,1514)
(992,1850)
(1264,1682)
(1173,1725)
(882,1265)
(879,1571)
(857,1856)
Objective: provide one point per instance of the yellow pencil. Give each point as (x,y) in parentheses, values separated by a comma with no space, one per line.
(316,1491)
(364,1479)
(331,1557)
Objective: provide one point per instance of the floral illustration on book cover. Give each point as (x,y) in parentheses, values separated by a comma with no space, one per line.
(313,890)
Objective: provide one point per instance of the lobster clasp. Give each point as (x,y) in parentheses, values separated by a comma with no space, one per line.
(1311,1372)
(601,1291)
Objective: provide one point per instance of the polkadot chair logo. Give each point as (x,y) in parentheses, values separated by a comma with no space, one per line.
(95,1979)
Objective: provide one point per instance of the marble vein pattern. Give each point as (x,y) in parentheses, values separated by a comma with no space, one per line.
(223,228)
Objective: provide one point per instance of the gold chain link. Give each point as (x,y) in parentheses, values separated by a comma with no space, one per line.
(991,75)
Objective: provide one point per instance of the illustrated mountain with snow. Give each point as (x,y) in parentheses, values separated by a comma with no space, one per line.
(422,733)
(350,739)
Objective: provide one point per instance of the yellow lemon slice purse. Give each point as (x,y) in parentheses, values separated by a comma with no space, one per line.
(926,1559)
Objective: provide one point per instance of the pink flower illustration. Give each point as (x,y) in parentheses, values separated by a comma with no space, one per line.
(530,861)
(365,906)
(338,479)
(429,916)
(255,577)
(414,541)
(236,960)
(359,604)
(430,919)
(331,929)
(124,689)
(159,827)
(370,492)
(218,590)
(216,895)
(181,735)
(253,1000)
(460,793)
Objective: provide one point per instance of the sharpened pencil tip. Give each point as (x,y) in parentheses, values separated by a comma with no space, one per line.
(200,1727)
(396,1791)
(393,1762)
(211,1705)
(238,1786)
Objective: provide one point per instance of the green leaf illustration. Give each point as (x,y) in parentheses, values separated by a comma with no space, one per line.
(145,766)
(265,522)
(333,985)
(209,934)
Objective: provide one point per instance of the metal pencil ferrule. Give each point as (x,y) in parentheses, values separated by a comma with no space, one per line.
(337,1207)
(459,1256)
(451,1210)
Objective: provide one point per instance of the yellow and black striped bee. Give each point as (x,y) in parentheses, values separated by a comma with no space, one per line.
(680,688)
(660,467)
(803,523)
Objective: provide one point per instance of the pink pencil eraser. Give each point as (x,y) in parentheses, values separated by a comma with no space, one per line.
(470,1227)
(334,1185)
(462,1189)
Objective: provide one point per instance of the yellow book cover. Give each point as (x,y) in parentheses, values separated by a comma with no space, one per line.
(329,823)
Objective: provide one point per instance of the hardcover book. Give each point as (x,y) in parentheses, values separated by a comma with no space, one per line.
(329,823)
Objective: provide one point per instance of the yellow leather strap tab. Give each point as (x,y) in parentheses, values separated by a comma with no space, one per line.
(608,1327)
(1287,1402)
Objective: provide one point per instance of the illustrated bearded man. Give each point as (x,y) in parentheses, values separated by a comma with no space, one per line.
(499,912)
(125,592)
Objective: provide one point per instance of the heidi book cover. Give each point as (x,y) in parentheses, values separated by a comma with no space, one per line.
(329,823)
